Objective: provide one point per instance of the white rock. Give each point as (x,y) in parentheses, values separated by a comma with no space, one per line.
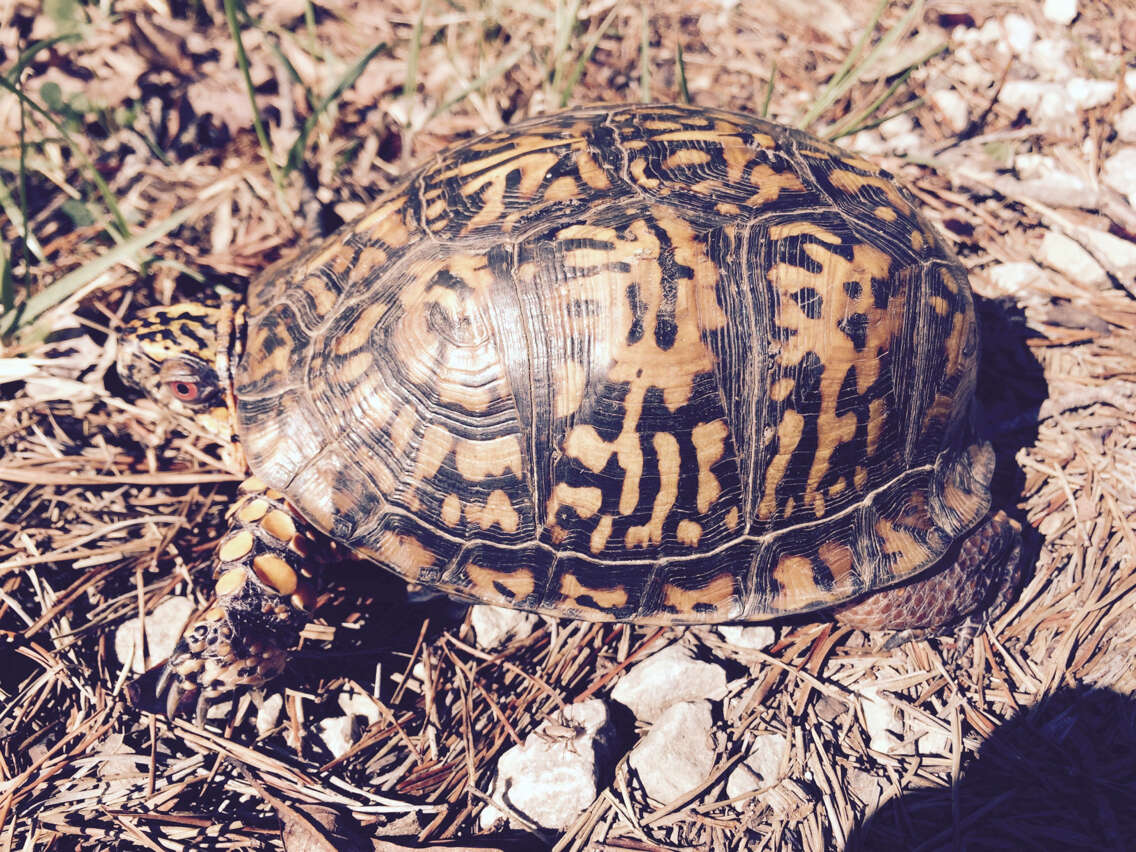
(898,126)
(906,143)
(491,819)
(767,754)
(1060,11)
(992,32)
(1050,57)
(761,767)
(665,678)
(1029,166)
(1086,94)
(1043,179)
(934,742)
(677,754)
(868,142)
(1119,172)
(972,74)
(1017,277)
(1029,94)
(1130,80)
(360,705)
(882,719)
(1071,260)
(1020,33)
(954,108)
(268,712)
(163,628)
(742,780)
(756,636)
(494,625)
(220,709)
(867,787)
(338,734)
(1126,125)
(556,774)
(1119,254)
(1051,102)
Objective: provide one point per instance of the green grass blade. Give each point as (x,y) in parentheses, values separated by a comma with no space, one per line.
(310,28)
(564,18)
(769,91)
(296,152)
(858,120)
(290,69)
(7,287)
(585,56)
(480,81)
(851,122)
(70,283)
(26,56)
(680,70)
(837,85)
(92,173)
(15,214)
(915,104)
(257,123)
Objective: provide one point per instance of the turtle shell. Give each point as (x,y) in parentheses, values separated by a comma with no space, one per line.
(654,363)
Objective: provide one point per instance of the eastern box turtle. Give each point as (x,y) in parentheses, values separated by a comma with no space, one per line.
(648,363)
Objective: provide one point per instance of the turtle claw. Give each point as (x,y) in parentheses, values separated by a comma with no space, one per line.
(901,637)
(171,689)
(211,660)
(965,633)
(176,691)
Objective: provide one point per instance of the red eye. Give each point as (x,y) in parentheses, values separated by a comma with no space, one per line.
(185,391)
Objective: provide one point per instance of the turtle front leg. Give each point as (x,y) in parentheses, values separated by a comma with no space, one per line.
(266,571)
(973,585)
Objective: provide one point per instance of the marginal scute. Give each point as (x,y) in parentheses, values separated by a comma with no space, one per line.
(577,595)
(503,586)
(650,362)
(508,576)
(406,552)
(715,597)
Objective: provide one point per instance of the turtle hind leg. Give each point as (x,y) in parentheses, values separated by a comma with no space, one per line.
(972,586)
(265,572)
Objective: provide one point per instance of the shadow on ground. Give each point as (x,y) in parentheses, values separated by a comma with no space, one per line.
(1011,390)
(1059,775)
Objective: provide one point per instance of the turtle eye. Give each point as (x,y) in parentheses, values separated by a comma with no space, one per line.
(185,391)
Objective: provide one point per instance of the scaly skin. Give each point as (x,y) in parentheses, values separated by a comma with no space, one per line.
(966,594)
(266,573)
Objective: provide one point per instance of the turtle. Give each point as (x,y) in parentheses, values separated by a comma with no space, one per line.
(650,363)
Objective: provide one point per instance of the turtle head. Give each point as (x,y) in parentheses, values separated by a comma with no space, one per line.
(182,357)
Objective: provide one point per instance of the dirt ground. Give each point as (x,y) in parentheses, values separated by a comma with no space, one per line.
(135,170)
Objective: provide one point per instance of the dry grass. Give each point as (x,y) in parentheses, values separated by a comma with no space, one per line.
(104,513)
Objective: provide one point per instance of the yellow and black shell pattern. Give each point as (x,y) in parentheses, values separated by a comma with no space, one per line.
(654,363)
